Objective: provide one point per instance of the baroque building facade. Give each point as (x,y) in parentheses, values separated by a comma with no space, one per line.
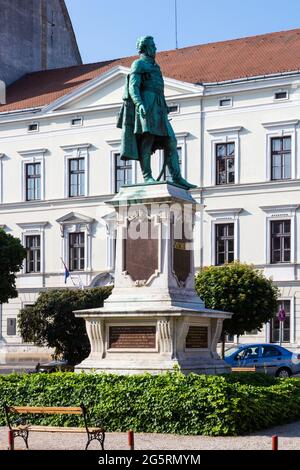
(235,112)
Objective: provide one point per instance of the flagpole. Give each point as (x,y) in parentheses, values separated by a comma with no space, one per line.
(68,272)
(176,32)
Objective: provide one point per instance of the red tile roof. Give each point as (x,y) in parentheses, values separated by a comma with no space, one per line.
(227,60)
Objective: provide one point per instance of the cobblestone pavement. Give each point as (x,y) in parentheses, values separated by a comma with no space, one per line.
(289,438)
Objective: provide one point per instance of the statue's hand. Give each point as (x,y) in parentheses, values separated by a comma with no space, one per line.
(141,110)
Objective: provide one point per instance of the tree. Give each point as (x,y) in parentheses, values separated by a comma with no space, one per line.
(50,322)
(12,254)
(241,289)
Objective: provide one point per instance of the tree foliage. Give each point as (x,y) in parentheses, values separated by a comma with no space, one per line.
(50,322)
(12,254)
(241,289)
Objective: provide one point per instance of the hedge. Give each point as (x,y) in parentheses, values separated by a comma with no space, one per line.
(166,403)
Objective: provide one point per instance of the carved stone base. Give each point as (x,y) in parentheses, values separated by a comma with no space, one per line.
(154,319)
(137,342)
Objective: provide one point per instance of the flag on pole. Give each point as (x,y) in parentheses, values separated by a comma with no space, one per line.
(67,272)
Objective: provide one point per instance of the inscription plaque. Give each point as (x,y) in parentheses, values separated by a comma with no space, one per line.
(141,254)
(197,337)
(132,337)
(181,253)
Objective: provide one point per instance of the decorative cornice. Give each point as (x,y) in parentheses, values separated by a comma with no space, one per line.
(225,130)
(285,209)
(75,218)
(290,123)
(75,146)
(32,225)
(114,142)
(27,153)
(224,212)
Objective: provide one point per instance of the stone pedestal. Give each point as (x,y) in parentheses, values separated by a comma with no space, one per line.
(154,319)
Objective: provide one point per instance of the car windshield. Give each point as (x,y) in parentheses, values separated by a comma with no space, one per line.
(230,351)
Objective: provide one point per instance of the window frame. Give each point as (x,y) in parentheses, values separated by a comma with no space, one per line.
(226,158)
(31,157)
(223,136)
(78,246)
(281,129)
(34,229)
(76,152)
(224,216)
(225,98)
(226,238)
(280,153)
(78,172)
(36,250)
(76,118)
(128,165)
(281,91)
(273,213)
(34,178)
(281,236)
(32,131)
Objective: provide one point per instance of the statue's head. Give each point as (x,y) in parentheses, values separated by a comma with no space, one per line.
(145,45)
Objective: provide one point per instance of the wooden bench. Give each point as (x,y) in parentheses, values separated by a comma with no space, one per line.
(22,429)
(243,369)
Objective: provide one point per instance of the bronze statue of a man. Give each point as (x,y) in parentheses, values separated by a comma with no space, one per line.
(144,116)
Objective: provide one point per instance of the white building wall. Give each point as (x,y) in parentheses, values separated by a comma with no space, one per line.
(199,125)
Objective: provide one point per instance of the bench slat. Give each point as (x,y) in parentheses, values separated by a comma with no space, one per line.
(54,429)
(243,369)
(46,410)
(61,429)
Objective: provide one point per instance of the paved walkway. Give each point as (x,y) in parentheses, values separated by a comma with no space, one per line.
(289,438)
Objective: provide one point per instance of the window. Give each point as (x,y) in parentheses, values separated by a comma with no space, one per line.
(78,121)
(33,181)
(33,257)
(280,241)
(173,108)
(76,177)
(33,127)
(281,158)
(270,351)
(225,163)
(249,353)
(167,174)
(11,327)
(281,95)
(225,102)
(281,329)
(224,243)
(76,251)
(123,172)
(229,338)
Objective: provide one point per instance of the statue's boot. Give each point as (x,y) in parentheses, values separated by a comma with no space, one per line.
(145,162)
(174,169)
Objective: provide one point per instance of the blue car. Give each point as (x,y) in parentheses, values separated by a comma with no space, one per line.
(268,358)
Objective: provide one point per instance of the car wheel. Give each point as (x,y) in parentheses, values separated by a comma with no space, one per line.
(283,373)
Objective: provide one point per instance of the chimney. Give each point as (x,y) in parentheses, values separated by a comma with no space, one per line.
(2,92)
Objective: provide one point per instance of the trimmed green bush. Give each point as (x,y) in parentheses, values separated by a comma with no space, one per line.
(166,403)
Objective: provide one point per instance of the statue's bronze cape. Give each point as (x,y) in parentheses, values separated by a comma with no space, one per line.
(126,120)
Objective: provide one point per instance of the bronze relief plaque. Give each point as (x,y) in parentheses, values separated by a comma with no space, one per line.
(197,337)
(141,253)
(181,256)
(132,337)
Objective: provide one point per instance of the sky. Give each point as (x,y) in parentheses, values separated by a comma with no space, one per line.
(108,29)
